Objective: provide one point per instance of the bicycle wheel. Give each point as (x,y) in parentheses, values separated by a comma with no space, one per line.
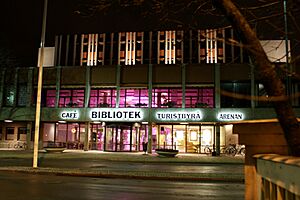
(231,151)
(243,151)
(207,150)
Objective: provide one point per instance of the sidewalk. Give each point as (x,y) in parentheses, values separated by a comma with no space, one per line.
(125,165)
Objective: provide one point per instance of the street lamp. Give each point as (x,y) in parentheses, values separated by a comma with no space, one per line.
(39,90)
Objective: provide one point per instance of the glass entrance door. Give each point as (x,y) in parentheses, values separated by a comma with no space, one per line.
(121,138)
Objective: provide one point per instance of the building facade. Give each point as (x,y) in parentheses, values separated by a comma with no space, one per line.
(115,91)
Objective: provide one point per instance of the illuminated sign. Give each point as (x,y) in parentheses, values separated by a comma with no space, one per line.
(230,116)
(178,116)
(118,114)
(67,115)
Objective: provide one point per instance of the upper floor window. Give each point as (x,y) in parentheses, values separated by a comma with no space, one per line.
(276,50)
(22,95)
(92,49)
(131,48)
(133,98)
(71,98)
(102,98)
(199,98)
(230,101)
(49,97)
(167,97)
(9,95)
(211,46)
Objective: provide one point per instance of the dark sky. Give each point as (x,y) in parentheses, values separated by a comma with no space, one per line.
(21,22)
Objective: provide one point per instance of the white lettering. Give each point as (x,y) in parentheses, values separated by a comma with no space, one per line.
(178,116)
(230,116)
(69,115)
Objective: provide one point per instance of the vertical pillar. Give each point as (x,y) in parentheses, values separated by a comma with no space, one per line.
(87,86)
(118,77)
(183,83)
(149,109)
(58,80)
(217,138)
(217,105)
(28,135)
(217,85)
(86,136)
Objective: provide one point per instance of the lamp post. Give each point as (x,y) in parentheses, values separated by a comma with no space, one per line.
(39,90)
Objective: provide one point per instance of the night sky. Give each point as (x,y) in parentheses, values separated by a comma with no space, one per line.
(21,22)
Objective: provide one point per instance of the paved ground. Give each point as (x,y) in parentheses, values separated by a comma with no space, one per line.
(127,165)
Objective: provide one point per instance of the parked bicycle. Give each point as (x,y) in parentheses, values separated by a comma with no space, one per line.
(234,149)
(20,145)
(207,149)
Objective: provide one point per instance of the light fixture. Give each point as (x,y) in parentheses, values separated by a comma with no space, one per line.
(144,122)
(183,123)
(8,120)
(96,122)
(136,124)
(62,122)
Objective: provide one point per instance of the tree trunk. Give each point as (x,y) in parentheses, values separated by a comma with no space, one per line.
(267,74)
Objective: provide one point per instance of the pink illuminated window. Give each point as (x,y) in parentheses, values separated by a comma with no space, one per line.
(167,97)
(199,97)
(103,98)
(71,98)
(133,98)
(50,98)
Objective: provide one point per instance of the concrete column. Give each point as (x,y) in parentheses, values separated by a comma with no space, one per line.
(217,105)
(58,80)
(149,109)
(217,139)
(118,79)
(217,85)
(149,148)
(86,136)
(87,86)
(183,83)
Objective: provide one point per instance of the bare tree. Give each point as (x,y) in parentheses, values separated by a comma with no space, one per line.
(274,86)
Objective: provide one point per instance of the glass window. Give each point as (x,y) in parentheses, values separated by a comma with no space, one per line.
(230,101)
(0,133)
(9,95)
(22,132)
(199,97)
(48,98)
(133,98)
(71,98)
(9,133)
(262,93)
(22,95)
(102,98)
(167,97)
